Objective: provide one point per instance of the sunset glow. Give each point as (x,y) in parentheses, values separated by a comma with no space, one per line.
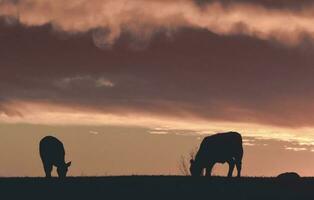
(115,79)
(49,114)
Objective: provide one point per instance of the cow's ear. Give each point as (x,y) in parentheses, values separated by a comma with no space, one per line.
(191,161)
(69,164)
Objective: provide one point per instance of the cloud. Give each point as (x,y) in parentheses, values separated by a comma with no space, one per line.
(296,148)
(193,82)
(195,77)
(46,113)
(77,81)
(7,110)
(94,132)
(102,82)
(108,20)
(235,79)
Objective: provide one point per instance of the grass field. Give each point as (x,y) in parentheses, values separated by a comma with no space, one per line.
(155,187)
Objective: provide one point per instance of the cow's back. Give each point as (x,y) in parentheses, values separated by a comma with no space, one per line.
(221,147)
(51,150)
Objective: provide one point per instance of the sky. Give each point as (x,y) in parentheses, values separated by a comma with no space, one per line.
(123,82)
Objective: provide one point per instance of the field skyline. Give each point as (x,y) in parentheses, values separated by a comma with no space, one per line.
(115,150)
(130,86)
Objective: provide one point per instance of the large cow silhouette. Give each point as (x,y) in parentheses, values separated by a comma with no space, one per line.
(52,154)
(218,148)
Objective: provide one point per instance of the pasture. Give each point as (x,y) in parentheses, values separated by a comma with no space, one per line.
(156,187)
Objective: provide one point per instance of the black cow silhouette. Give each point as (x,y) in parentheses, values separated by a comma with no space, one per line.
(218,148)
(52,154)
(288,176)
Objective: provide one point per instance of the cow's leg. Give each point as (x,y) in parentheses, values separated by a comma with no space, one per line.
(231,167)
(209,169)
(239,167)
(238,161)
(48,169)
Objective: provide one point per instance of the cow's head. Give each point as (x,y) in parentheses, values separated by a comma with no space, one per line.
(63,169)
(195,169)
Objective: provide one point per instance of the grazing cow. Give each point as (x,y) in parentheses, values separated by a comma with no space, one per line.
(52,154)
(218,148)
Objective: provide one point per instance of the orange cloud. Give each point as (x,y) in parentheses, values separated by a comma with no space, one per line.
(53,114)
(109,19)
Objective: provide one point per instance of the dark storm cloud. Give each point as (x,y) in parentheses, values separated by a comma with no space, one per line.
(236,78)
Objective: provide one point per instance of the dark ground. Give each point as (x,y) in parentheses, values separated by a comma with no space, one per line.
(155,187)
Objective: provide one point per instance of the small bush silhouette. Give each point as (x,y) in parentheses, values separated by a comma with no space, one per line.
(184,163)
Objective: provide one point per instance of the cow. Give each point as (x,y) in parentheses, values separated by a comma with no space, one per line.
(52,154)
(218,148)
(289,177)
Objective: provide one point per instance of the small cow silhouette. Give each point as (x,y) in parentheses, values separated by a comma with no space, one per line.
(218,148)
(288,177)
(52,154)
